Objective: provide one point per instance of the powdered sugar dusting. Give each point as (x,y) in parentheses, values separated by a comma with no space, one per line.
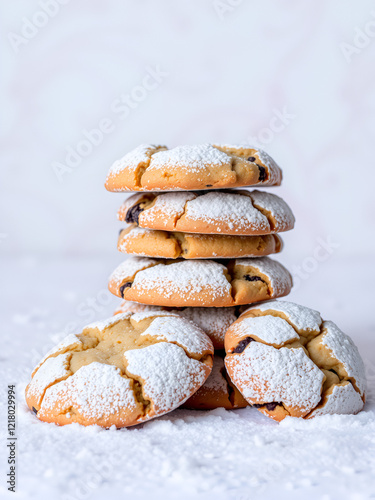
(195,158)
(270,329)
(70,342)
(343,400)
(171,205)
(234,209)
(237,209)
(276,206)
(133,159)
(276,375)
(135,307)
(345,351)
(139,316)
(106,323)
(303,318)
(136,231)
(180,331)
(186,278)
(216,381)
(280,279)
(214,321)
(169,375)
(96,390)
(52,369)
(129,267)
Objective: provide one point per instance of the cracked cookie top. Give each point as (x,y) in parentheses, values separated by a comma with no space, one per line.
(218,212)
(199,167)
(213,321)
(121,371)
(200,283)
(286,360)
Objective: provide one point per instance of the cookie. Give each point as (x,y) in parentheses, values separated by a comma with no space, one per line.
(214,321)
(205,166)
(122,371)
(217,392)
(135,307)
(285,360)
(173,245)
(199,283)
(244,213)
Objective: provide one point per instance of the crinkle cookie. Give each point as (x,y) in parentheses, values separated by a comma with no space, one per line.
(218,391)
(244,213)
(205,166)
(285,360)
(199,283)
(214,321)
(173,245)
(122,371)
(135,307)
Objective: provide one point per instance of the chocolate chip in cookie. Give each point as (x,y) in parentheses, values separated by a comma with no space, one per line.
(125,285)
(262,173)
(268,406)
(241,346)
(132,215)
(247,277)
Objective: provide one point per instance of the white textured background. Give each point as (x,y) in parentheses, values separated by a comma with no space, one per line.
(227,73)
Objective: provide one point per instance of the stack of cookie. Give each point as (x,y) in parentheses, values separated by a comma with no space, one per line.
(201,256)
(197,244)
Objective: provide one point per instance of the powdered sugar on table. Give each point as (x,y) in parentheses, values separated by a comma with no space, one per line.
(225,455)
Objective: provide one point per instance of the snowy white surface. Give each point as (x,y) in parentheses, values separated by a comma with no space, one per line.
(235,455)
